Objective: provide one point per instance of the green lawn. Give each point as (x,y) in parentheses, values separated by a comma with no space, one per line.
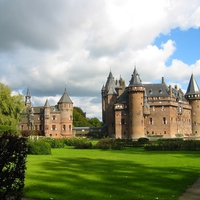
(130,174)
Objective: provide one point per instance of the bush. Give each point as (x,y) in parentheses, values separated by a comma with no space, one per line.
(143,140)
(108,143)
(13,152)
(39,147)
(56,143)
(176,145)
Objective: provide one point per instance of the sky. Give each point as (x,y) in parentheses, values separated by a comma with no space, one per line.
(48,45)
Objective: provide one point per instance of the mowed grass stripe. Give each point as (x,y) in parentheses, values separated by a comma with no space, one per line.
(128,174)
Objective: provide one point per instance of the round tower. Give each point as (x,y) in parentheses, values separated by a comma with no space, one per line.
(136,99)
(65,106)
(193,96)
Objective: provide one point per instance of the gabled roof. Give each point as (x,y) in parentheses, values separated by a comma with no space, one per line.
(65,98)
(135,80)
(193,87)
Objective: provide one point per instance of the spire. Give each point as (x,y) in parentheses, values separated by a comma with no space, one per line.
(193,87)
(110,79)
(65,98)
(28,98)
(112,88)
(135,80)
(47,105)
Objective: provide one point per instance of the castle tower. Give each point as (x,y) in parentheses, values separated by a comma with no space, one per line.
(46,118)
(135,103)
(104,94)
(65,106)
(110,114)
(193,96)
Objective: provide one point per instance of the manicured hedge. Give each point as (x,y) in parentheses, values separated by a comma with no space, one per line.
(39,147)
(176,145)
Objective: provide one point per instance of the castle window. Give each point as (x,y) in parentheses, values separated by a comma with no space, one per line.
(36,127)
(153,108)
(152,132)
(163,108)
(53,117)
(22,127)
(164,120)
(41,127)
(195,123)
(64,127)
(70,127)
(150,121)
(53,128)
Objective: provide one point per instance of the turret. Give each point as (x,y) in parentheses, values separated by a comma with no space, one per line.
(136,100)
(193,96)
(65,106)
(46,117)
(28,103)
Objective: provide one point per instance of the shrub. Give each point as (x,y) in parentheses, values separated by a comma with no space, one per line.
(143,140)
(176,145)
(56,143)
(13,152)
(39,147)
(108,143)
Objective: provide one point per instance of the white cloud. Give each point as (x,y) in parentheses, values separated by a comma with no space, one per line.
(47,44)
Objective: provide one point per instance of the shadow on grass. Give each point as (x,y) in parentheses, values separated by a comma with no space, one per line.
(101,179)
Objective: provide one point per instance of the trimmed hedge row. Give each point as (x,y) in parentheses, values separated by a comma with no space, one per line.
(176,145)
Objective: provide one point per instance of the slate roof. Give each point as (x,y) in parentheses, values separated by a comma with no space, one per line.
(193,87)
(156,90)
(135,79)
(65,98)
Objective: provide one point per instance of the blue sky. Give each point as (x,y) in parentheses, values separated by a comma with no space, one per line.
(187,43)
(52,43)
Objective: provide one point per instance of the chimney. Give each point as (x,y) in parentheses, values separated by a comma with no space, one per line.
(170,91)
(163,80)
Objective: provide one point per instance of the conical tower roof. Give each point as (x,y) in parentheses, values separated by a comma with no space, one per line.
(112,88)
(193,87)
(47,105)
(109,81)
(135,79)
(65,98)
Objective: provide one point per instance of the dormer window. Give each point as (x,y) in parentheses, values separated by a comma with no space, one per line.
(160,91)
(150,91)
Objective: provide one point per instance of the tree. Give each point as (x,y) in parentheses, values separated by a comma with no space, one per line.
(95,122)
(80,120)
(10,109)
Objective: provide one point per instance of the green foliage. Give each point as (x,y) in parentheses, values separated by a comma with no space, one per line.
(13,152)
(11,106)
(95,122)
(80,120)
(39,147)
(143,140)
(107,143)
(78,143)
(174,145)
(56,143)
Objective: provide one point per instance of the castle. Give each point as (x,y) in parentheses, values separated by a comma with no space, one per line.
(148,110)
(50,121)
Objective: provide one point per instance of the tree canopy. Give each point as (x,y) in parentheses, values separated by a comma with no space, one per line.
(80,120)
(10,109)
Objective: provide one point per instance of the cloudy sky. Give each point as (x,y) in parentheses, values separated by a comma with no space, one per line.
(47,44)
